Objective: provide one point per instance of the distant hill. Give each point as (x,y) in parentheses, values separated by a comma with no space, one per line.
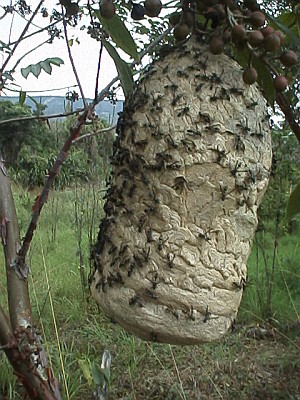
(59,104)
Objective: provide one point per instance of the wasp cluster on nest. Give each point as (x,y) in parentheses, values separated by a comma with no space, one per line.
(191,164)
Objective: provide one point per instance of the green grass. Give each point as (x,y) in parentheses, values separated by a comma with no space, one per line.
(237,367)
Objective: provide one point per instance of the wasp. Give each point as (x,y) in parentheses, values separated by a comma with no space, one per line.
(206,315)
(184,111)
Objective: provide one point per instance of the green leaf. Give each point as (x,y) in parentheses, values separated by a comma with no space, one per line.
(106,373)
(86,369)
(45,65)
(280,23)
(293,206)
(124,71)
(55,61)
(265,81)
(98,376)
(8,75)
(117,30)
(22,98)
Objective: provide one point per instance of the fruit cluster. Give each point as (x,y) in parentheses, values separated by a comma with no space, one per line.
(245,26)
(150,8)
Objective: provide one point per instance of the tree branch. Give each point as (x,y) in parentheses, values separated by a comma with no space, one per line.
(71,59)
(42,199)
(39,117)
(31,368)
(26,54)
(36,32)
(21,37)
(105,130)
(289,114)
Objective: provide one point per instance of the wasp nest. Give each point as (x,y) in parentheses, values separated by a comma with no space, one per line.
(191,164)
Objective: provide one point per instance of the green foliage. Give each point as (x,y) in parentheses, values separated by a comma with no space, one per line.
(272,290)
(124,71)
(18,134)
(33,169)
(285,175)
(31,156)
(116,28)
(293,207)
(37,68)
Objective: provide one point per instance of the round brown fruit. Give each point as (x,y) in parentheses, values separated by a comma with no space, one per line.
(188,18)
(221,11)
(272,42)
(250,76)
(280,83)
(251,4)
(257,19)
(238,15)
(239,33)
(267,30)
(281,36)
(107,9)
(216,45)
(181,32)
(72,9)
(288,58)
(227,35)
(255,38)
(174,18)
(152,8)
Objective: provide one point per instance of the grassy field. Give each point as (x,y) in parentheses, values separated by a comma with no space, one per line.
(258,360)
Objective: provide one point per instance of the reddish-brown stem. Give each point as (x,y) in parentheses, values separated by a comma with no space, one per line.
(42,199)
(289,114)
(21,36)
(35,382)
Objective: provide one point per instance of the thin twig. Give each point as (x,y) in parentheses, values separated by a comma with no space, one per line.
(105,130)
(26,54)
(21,36)
(5,12)
(11,26)
(36,32)
(39,117)
(71,59)
(98,69)
(289,114)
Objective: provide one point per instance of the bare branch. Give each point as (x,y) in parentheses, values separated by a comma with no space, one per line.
(289,114)
(105,130)
(21,37)
(40,117)
(36,382)
(36,32)
(26,54)
(42,199)
(72,61)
